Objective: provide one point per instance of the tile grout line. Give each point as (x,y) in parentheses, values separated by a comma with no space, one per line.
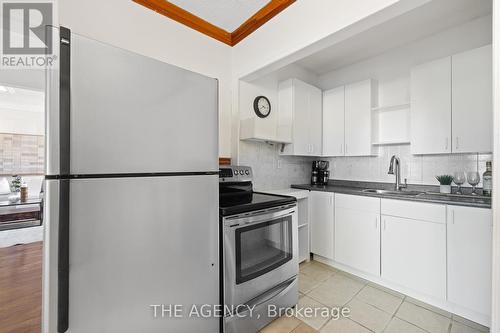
(394,314)
(353,297)
(423,329)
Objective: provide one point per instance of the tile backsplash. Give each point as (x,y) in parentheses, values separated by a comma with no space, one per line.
(272,171)
(21,154)
(418,169)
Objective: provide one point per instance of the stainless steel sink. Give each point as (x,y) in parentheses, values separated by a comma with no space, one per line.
(389,192)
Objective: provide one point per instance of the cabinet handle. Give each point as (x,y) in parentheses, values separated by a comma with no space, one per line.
(346,148)
(341,148)
(446,145)
(452,216)
(457,143)
(385,224)
(331,201)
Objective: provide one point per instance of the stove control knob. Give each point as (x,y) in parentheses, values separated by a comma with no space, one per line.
(247,172)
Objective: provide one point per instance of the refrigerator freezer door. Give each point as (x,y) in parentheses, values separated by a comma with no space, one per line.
(137,242)
(50,256)
(134,114)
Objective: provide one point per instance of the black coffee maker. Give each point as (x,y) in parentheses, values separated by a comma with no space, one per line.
(320,173)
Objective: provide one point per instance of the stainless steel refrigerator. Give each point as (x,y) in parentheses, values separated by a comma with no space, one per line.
(131,192)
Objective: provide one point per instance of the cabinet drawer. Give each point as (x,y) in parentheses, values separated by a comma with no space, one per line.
(356,202)
(414,210)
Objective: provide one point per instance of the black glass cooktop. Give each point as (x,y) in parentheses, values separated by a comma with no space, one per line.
(242,202)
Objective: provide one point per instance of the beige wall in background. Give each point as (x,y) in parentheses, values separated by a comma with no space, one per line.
(22,154)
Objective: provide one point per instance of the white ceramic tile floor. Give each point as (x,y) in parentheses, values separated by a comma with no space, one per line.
(373,308)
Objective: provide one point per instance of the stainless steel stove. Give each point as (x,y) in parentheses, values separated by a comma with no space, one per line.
(260,254)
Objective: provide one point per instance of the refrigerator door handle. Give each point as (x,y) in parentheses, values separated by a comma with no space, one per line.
(64,158)
(63,259)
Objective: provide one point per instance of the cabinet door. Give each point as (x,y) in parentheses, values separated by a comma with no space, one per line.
(322,223)
(333,122)
(284,132)
(301,96)
(469,257)
(357,232)
(358,118)
(431,107)
(414,254)
(472,101)
(315,121)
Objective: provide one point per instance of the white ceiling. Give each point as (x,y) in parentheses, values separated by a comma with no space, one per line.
(226,14)
(419,23)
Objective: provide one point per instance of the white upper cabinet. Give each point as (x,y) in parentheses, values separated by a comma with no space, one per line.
(469,258)
(347,119)
(333,122)
(472,101)
(431,107)
(360,97)
(451,104)
(300,109)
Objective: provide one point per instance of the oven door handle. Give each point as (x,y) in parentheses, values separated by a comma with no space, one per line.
(253,304)
(264,216)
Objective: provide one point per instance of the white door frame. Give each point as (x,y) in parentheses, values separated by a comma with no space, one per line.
(495,317)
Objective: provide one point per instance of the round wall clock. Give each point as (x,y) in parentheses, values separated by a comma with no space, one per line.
(262,106)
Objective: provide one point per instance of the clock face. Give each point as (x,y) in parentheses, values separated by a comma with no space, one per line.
(262,106)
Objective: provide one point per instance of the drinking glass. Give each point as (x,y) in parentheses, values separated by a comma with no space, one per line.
(473,179)
(459,179)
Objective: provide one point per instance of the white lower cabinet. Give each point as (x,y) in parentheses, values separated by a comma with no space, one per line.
(357,232)
(321,224)
(469,258)
(413,252)
(434,251)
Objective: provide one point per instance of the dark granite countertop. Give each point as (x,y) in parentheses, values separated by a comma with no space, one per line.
(429,193)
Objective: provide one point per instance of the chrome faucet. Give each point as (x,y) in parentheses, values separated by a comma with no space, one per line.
(395,160)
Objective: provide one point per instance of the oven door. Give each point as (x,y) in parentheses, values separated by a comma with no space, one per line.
(260,252)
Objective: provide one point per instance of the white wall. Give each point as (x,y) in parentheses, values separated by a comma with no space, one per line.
(130,26)
(392,68)
(300,25)
(392,71)
(22,111)
(302,29)
(22,122)
(270,169)
(268,86)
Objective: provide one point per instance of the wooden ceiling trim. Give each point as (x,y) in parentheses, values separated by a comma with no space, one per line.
(184,17)
(273,8)
(266,13)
